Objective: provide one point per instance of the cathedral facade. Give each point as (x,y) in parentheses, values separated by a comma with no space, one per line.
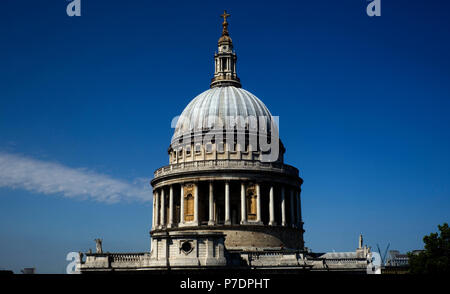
(226,199)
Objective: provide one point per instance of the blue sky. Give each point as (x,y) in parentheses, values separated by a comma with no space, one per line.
(86,104)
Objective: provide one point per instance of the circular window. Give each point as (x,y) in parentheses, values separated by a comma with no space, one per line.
(186,247)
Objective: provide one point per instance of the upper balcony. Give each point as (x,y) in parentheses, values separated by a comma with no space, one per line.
(225,165)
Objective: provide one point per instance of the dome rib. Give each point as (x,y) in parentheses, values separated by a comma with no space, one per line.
(219,103)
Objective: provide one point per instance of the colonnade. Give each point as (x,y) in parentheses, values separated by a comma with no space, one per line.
(250,205)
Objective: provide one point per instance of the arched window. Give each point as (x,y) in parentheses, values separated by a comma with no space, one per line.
(224,64)
(209,148)
(189,208)
(198,149)
(220,147)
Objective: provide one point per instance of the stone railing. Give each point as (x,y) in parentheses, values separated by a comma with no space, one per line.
(344,260)
(259,255)
(223,164)
(126,257)
(276,258)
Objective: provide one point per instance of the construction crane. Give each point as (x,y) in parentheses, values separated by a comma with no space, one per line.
(383,257)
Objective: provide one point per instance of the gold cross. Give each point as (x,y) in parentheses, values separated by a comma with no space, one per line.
(225,15)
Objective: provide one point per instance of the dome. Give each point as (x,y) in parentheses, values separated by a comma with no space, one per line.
(225,39)
(219,104)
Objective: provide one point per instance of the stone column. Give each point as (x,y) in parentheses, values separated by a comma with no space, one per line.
(292,208)
(243,209)
(271,208)
(170,224)
(153,210)
(181,205)
(258,203)
(211,204)
(162,213)
(195,204)
(227,203)
(283,207)
(156,210)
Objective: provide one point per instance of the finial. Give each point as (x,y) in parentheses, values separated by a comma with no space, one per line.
(225,23)
(225,60)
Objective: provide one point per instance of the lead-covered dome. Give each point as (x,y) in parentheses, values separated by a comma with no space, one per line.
(216,106)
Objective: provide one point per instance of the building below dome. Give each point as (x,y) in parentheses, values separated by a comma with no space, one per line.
(226,199)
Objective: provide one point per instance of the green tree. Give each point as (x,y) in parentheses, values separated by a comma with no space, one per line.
(435,259)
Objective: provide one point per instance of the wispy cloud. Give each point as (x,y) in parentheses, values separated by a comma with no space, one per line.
(19,172)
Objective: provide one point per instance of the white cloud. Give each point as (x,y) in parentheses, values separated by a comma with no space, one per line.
(19,172)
